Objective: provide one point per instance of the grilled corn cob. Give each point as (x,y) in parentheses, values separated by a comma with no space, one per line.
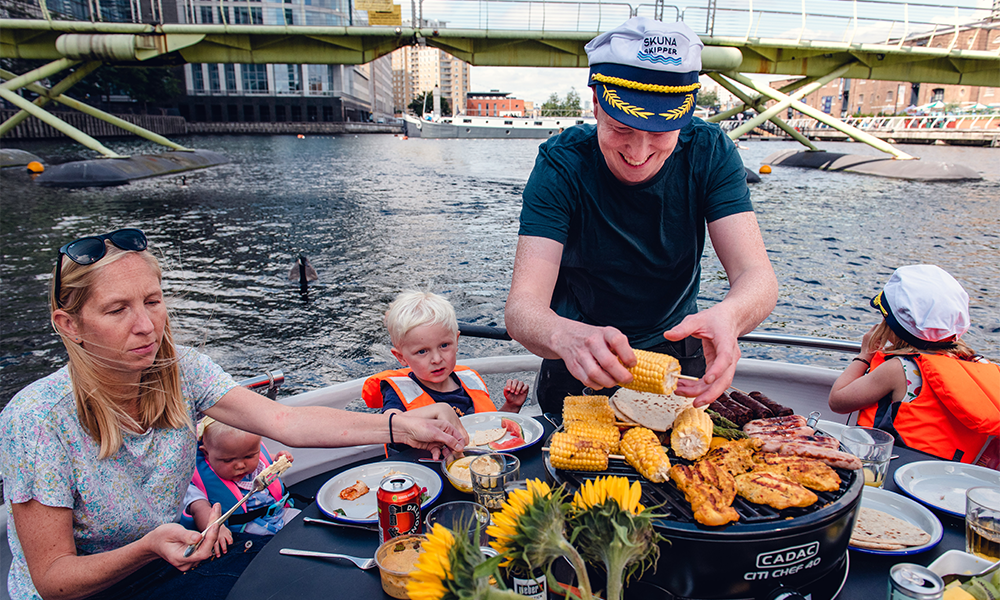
(643,451)
(570,453)
(600,432)
(692,433)
(591,409)
(654,372)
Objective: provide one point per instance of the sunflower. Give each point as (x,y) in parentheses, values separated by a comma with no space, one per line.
(528,533)
(611,527)
(452,568)
(432,574)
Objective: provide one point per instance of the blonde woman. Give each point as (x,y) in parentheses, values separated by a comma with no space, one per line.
(97,456)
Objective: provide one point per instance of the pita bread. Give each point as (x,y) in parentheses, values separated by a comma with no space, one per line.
(877,530)
(485,436)
(653,411)
(619,415)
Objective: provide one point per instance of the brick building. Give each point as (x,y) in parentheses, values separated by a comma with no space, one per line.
(493,104)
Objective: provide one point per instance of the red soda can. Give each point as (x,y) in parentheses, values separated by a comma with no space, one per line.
(398,500)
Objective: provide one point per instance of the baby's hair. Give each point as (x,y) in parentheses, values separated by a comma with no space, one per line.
(412,309)
(218,429)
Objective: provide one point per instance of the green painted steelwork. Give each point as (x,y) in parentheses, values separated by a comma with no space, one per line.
(755,103)
(50,94)
(57,123)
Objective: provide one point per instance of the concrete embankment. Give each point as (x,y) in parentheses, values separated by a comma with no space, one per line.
(178,126)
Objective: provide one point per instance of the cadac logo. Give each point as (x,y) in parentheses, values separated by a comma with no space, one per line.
(787,556)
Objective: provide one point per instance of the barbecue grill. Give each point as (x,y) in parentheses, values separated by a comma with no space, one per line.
(766,554)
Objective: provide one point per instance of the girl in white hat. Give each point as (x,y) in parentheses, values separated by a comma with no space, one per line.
(915,377)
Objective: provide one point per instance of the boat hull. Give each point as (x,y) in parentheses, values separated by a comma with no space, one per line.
(491,128)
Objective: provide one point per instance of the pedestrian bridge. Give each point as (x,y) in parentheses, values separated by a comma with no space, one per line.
(871,37)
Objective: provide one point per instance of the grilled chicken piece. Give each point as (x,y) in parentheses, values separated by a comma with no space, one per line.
(810,473)
(355,491)
(789,422)
(735,457)
(773,490)
(709,489)
(774,443)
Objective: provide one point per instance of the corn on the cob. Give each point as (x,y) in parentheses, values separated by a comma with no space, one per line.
(592,409)
(570,453)
(643,451)
(692,433)
(654,372)
(600,432)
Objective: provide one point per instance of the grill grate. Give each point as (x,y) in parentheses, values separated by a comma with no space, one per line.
(676,507)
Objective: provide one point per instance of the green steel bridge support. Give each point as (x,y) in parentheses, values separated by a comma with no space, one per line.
(726,59)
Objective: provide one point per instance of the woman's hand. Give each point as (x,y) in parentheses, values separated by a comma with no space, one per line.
(171,540)
(431,428)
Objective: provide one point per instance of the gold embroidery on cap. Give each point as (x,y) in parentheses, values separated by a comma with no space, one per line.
(680,110)
(645,87)
(636,111)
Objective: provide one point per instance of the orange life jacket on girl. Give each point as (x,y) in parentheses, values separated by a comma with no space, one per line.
(414,396)
(955,411)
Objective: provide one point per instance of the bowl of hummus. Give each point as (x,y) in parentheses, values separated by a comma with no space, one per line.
(395,559)
(456,469)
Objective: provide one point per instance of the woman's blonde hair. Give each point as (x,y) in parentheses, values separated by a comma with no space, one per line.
(412,309)
(160,399)
(884,340)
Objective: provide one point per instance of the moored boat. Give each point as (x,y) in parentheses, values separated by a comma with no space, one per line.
(463,126)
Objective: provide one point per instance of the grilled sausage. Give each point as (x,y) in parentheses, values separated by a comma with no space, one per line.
(776,409)
(743,414)
(723,410)
(759,410)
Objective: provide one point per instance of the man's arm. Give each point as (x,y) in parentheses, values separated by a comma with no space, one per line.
(591,353)
(753,293)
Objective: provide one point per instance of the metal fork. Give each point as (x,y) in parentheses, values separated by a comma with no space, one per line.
(962,578)
(260,483)
(361,563)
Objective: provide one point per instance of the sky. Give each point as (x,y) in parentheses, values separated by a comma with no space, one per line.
(535,84)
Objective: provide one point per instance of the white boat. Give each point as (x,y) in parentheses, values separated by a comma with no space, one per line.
(463,126)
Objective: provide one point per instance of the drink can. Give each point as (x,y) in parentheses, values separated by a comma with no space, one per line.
(914,582)
(398,500)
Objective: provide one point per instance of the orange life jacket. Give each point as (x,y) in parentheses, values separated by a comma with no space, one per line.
(414,396)
(954,413)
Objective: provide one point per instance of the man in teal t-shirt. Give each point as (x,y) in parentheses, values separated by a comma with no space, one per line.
(613,228)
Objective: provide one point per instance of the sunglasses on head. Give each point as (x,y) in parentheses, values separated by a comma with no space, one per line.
(90,249)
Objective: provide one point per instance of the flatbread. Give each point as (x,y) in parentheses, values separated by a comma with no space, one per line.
(653,411)
(619,415)
(485,436)
(875,529)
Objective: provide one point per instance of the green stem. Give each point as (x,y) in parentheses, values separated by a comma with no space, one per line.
(494,594)
(616,562)
(576,561)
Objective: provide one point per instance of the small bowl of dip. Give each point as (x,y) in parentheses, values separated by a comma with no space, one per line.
(456,468)
(395,559)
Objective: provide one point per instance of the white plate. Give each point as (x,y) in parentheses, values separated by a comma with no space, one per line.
(531,429)
(834,429)
(363,509)
(942,484)
(956,561)
(903,508)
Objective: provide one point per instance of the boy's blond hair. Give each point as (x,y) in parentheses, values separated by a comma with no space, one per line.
(412,309)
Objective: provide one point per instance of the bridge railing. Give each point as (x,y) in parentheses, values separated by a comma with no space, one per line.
(978,122)
(840,21)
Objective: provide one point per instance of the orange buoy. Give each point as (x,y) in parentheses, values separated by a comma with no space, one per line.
(406,137)
(765,169)
(301,137)
(35,167)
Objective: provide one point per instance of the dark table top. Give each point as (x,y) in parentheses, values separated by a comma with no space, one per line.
(273,575)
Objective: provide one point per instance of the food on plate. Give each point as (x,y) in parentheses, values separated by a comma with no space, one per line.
(759,410)
(734,457)
(877,530)
(396,558)
(653,411)
(691,434)
(485,436)
(654,372)
(773,490)
(512,427)
(568,452)
(587,408)
(709,489)
(602,432)
(778,410)
(812,474)
(511,444)
(354,492)
(643,451)
(977,588)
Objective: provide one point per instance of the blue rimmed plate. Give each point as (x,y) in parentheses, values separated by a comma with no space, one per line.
(903,508)
(941,484)
(364,510)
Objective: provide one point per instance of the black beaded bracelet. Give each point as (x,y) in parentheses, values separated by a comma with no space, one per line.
(856,358)
(391,440)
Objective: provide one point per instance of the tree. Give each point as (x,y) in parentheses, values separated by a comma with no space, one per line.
(418,106)
(708,98)
(148,85)
(552,106)
(570,107)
